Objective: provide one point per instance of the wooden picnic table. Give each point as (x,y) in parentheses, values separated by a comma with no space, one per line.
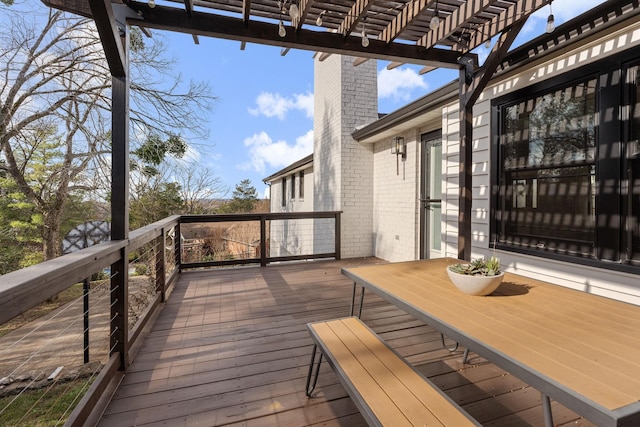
(577,348)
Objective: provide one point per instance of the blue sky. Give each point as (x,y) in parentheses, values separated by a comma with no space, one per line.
(263,119)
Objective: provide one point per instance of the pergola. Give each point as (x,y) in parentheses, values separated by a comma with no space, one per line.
(432,33)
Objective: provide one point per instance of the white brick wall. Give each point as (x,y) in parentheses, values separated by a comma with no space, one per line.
(345,97)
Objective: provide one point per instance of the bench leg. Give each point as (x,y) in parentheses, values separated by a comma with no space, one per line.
(454,348)
(353,301)
(311,383)
(546,407)
(465,357)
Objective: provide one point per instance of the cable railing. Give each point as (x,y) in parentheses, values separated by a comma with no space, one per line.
(84,346)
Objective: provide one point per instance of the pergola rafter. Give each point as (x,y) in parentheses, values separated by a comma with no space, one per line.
(410,12)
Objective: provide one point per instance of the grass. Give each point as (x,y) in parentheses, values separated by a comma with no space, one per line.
(45,407)
(64,297)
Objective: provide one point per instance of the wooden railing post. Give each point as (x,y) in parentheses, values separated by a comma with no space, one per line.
(337,238)
(177,244)
(263,240)
(161,278)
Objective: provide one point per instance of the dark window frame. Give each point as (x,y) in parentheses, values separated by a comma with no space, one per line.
(284,192)
(293,186)
(301,185)
(608,250)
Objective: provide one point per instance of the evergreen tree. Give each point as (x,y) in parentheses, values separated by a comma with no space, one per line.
(244,198)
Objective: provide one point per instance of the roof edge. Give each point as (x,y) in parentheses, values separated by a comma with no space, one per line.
(292,167)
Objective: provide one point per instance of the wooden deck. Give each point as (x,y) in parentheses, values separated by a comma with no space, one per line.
(231,348)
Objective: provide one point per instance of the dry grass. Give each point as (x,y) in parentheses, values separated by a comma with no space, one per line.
(64,297)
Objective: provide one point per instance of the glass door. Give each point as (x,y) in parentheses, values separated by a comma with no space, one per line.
(431,196)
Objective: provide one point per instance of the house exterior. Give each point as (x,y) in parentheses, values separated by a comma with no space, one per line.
(556,160)
(291,190)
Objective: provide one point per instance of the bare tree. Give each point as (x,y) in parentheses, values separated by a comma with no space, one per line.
(201,190)
(55,84)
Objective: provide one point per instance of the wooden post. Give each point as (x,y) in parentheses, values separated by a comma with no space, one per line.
(161,278)
(465,163)
(337,231)
(177,248)
(472,83)
(120,213)
(263,240)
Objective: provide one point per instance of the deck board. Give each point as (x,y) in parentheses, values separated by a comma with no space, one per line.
(231,348)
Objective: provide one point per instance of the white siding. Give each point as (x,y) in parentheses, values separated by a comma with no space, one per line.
(603,282)
(295,237)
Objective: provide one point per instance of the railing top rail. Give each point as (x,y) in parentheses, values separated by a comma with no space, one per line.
(20,290)
(187,219)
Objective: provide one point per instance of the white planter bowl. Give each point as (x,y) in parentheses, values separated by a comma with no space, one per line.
(475,285)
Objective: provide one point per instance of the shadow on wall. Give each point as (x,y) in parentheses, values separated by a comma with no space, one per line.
(327,153)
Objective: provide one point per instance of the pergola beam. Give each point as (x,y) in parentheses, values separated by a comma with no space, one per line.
(110,34)
(246,12)
(452,22)
(225,27)
(517,12)
(304,7)
(79,7)
(188,7)
(359,61)
(358,10)
(410,12)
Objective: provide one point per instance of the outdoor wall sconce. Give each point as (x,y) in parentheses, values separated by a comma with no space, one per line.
(398,148)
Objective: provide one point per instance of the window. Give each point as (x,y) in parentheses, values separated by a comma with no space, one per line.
(293,186)
(547,181)
(566,166)
(631,204)
(284,192)
(301,184)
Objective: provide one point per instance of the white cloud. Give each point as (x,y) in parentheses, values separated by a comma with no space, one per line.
(274,105)
(399,83)
(305,102)
(263,151)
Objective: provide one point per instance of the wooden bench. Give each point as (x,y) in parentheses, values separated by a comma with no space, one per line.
(384,387)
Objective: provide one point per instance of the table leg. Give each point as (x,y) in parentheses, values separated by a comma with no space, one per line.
(353,300)
(546,407)
(361,303)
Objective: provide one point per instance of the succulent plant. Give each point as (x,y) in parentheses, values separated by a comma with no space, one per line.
(478,267)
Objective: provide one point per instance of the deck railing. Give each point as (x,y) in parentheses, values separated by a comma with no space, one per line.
(164,246)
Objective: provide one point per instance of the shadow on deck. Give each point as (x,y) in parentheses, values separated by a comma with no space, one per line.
(231,348)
